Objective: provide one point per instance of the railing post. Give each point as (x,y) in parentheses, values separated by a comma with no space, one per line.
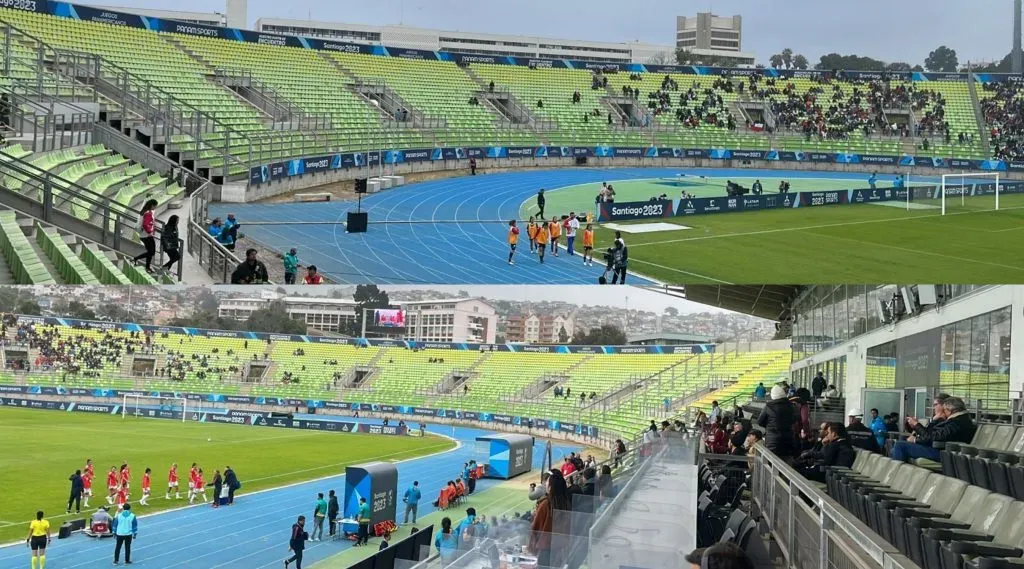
(7,50)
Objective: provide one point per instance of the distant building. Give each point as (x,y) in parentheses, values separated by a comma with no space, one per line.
(668,339)
(539,328)
(445,321)
(204,18)
(714,36)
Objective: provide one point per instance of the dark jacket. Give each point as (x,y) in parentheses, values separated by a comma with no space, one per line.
(231,480)
(298,539)
(818,385)
(250,274)
(838,453)
(777,418)
(861,436)
(76,484)
(169,238)
(332,507)
(958,428)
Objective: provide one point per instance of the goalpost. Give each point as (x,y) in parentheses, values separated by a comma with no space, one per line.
(976,191)
(138,405)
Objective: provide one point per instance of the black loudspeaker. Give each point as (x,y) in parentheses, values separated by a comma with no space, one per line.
(356,222)
(360,185)
(77,525)
(581,160)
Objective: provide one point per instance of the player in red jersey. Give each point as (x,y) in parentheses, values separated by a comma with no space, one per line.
(199,487)
(111,484)
(122,497)
(146,489)
(192,472)
(172,482)
(126,477)
(88,473)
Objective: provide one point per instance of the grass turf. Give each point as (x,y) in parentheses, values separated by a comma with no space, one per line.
(837,244)
(40,449)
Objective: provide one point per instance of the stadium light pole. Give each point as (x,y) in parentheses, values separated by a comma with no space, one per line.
(1017,65)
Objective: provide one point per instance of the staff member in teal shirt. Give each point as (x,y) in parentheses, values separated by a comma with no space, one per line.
(412,501)
(291,266)
(319,513)
(364,523)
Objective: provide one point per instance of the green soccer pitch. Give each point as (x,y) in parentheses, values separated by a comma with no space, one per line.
(858,243)
(40,449)
(864,243)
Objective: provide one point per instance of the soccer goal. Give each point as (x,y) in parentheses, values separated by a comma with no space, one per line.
(971,191)
(138,405)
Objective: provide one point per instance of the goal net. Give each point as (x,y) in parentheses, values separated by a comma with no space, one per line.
(965,192)
(151,406)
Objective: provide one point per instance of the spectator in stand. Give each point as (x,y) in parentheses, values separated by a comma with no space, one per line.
(860,434)
(147,234)
(830,393)
(952,424)
(715,439)
(231,226)
(836,451)
(760,392)
(223,237)
(250,271)
(716,412)
(549,521)
(169,242)
(818,385)
(291,266)
(878,427)
(777,419)
(446,542)
(567,467)
(312,277)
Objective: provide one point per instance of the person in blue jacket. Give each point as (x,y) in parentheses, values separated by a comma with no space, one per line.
(873,180)
(461,533)
(878,428)
(412,500)
(445,541)
(125,528)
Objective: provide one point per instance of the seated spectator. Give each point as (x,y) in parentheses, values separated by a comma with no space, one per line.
(99,523)
(219,232)
(836,451)
(878,427)
(861,435)
(760,392)
(716,440)
(954,425)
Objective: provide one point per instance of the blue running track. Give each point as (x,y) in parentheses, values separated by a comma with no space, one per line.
(253,533)
(459,230)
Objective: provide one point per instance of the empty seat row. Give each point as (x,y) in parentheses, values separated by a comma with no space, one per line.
(994,460)
(938,521)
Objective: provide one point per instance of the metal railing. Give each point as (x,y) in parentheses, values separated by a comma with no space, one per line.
(810,530)
(41,121)
(216,260)
(285,114)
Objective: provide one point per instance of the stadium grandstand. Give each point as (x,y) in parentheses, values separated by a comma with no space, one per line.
(912,384)
(106,110)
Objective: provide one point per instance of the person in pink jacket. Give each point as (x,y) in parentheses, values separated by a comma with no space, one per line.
(147,233)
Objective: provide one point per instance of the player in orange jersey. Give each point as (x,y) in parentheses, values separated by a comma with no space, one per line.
(588,245)
(543,236)
(556,231)
(531,233)
(513,239)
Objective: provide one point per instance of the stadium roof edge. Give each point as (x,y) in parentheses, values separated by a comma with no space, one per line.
(764,301)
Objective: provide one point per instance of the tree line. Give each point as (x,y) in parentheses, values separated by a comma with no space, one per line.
(942,59)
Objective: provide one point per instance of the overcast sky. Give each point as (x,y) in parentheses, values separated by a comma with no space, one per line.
(905,30)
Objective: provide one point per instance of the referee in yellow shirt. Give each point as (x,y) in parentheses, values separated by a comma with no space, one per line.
(38,538)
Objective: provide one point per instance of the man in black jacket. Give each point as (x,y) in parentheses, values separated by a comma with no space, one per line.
(297,543)
(955,425)
(818,385)
(231,481)
(250,271)
(835,451)
(860,434)
(332,510)
(76,492)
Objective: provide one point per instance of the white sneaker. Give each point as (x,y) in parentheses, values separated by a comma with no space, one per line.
(511,262)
